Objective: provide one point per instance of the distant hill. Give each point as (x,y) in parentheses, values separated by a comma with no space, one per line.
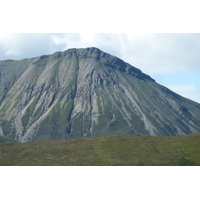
(87,93)
(124,150)
(7,140)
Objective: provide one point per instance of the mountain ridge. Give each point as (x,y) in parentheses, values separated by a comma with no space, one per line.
(87,92)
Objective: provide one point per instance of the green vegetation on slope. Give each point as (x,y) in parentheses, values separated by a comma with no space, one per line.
(124,150)
(7,140)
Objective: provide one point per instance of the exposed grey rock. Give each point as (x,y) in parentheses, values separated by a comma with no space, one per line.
(1,131)
(87,92)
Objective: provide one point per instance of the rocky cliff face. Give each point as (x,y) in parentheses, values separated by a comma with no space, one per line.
(87,92)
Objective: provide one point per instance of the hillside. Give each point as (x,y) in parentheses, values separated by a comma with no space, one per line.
(121,150)
(87,93)
(7,140)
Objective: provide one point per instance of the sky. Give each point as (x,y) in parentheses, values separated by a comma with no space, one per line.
(172,59)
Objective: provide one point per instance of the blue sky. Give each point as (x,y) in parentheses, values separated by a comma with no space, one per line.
(172,59)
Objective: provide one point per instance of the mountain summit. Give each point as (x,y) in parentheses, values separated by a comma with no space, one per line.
(86,93)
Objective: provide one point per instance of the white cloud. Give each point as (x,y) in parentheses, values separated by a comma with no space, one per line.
(64,41)
(189,91)
(163,53)
(18,46)
(11,53)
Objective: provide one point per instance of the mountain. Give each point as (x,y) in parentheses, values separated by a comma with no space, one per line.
(87,93)
(7,140)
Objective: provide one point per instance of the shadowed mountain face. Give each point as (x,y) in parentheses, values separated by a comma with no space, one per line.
(87,92)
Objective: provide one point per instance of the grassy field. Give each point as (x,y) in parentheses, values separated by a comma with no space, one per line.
(123,150)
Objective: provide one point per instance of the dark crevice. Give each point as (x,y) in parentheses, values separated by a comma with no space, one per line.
(52,100)
(73,95)
(90,100)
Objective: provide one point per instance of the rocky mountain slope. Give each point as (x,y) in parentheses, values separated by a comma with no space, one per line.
(87,92)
